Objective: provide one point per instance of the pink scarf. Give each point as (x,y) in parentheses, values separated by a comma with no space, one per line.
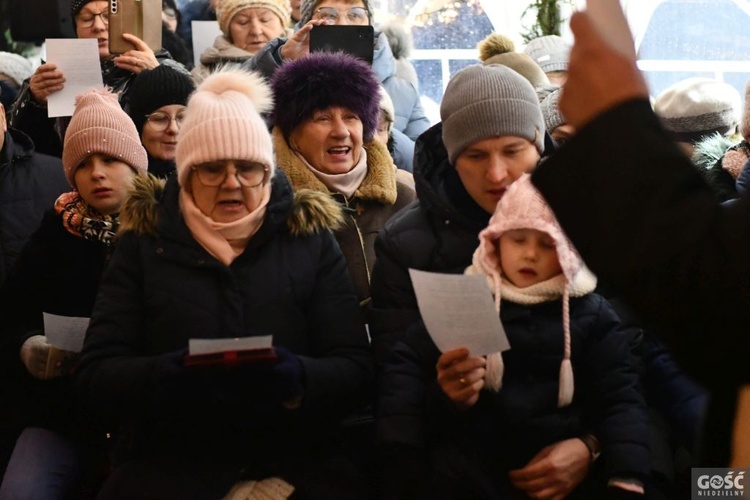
(224,240)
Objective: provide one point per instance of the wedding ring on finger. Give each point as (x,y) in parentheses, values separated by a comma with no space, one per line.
(463,381)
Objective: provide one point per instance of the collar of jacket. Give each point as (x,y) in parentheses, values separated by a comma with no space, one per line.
(379,184)
(224,50)
(153,209)
(17,145)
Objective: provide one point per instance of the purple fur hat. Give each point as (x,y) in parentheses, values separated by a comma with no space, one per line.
(321,80)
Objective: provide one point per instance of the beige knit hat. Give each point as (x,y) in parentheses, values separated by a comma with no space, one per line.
(99,125)
(227,9)
(499,49)
(223,122)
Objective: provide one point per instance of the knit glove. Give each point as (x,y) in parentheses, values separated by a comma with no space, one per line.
(44,361)
(287,378)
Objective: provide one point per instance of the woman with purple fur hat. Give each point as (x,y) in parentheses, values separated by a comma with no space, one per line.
(325,119)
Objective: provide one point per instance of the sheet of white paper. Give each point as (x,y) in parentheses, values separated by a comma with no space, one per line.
(78,60)
(610,21)
(65,332)
(211,346)
(204,34)
(458,311)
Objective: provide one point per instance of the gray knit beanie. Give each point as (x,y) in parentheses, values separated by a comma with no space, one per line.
(697,107)
(76,6)
(550,52)
(549,98)
(308,6)
(489,101)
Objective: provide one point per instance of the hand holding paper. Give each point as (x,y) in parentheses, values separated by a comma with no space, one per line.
(458,311)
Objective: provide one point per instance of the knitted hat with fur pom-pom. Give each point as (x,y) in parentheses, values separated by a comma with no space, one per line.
(223,122)
(99,125)
(499,49)
(523,207)
(322,80)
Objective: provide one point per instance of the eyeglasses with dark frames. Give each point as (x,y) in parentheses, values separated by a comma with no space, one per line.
(249,174)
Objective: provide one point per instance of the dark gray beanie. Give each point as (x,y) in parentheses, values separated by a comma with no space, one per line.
(307,7)
(489,101)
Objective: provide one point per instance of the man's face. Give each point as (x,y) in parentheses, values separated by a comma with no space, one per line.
(489,166)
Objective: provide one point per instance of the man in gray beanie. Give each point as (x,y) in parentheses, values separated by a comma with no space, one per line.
(492,132)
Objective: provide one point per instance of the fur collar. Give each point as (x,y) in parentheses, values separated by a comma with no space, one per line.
(379,184)
(310,211)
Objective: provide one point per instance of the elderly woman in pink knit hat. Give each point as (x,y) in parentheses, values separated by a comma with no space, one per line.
(486,425)
(227,251)
(58,273)
(246,27)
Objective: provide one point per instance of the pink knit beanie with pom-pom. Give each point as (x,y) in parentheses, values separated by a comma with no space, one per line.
(223,122)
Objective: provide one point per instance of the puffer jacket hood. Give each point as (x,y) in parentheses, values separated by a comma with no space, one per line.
(303,212)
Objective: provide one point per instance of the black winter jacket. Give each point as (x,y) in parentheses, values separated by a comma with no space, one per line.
(658,234)
(505,430)
(162,289)
(438,232)
(58,273)
(30,183)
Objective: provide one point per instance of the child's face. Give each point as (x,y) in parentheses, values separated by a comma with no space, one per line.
(528,257)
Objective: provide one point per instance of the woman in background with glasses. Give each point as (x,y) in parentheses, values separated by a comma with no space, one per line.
(91,20)
(227,250)
(157,107)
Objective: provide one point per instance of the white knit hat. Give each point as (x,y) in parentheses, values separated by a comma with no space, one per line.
(523,207)
(223,122)
(18,68)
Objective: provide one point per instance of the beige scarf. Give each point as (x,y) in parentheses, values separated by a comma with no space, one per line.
(224,240)
(346,183)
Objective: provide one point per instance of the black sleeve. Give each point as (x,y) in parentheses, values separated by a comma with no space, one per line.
(644,220)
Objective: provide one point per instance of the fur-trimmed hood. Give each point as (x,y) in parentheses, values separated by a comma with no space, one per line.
(379,185)
(710,150)
(309,213)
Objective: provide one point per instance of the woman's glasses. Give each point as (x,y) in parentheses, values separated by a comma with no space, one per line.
(160,121)
(249,174)
(87,20)
(355,15)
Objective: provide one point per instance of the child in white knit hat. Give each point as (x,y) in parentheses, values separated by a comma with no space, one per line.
(567,382)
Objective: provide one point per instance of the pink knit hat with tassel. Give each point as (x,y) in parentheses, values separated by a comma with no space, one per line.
(523,207)
(223,122)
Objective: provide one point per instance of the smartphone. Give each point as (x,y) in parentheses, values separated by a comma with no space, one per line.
(610,21)
(141,18)
(358,41)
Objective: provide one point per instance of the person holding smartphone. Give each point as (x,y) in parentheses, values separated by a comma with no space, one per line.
(411,120)
(91,19)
